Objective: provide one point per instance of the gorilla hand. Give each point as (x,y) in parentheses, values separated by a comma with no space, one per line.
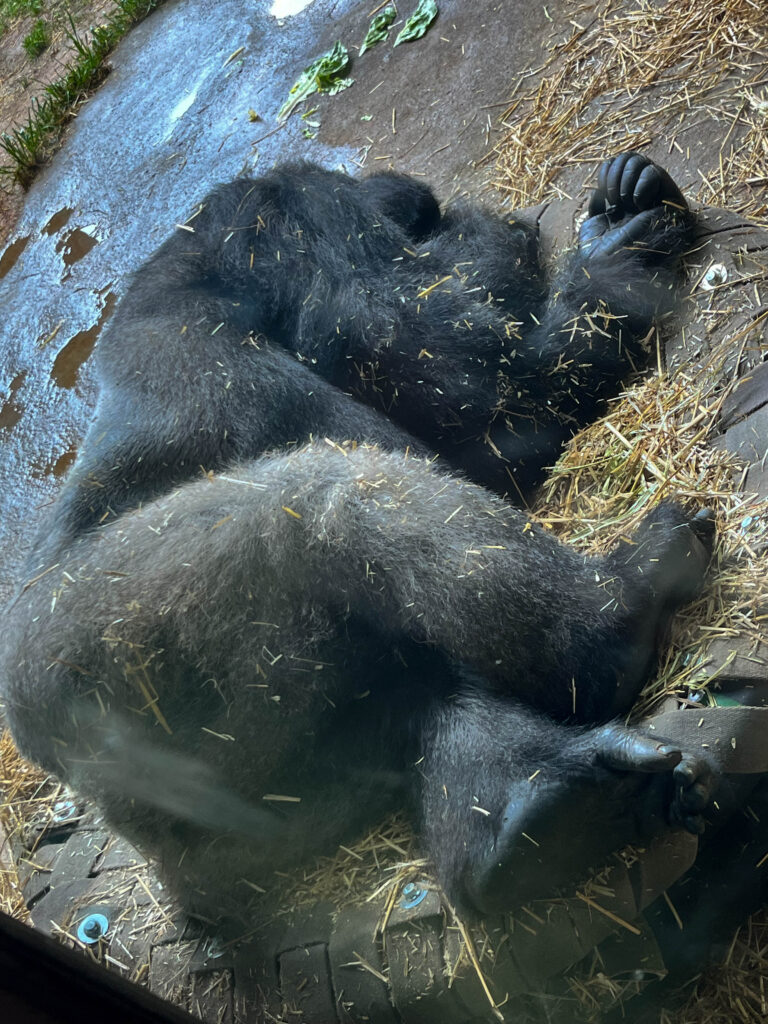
(633,201)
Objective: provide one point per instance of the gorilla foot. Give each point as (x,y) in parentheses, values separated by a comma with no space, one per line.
(659,569)
(666,558)
(623,787)
(693,779)
(631,183)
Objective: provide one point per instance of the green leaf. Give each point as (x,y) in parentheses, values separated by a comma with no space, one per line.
(325,74)
(418,23)
(379,28)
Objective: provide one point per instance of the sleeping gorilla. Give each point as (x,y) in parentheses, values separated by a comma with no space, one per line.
(244,669)
(297,306)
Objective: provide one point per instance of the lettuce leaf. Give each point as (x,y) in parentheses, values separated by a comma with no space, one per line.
(418,23)
(328,74)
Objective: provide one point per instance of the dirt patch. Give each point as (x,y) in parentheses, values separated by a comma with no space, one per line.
(23,78)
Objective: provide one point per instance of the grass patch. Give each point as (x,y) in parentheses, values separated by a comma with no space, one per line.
(17,8)
(29,146)
(37,40)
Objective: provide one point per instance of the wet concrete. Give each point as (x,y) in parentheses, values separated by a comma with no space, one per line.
(164,128)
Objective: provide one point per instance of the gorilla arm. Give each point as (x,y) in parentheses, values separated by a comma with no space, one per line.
(602,306)
(225,402)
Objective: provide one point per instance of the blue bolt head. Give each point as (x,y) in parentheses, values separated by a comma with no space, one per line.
(412,895)
(92,928)
(64,810)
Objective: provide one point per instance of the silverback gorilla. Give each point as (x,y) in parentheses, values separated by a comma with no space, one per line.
(246,665)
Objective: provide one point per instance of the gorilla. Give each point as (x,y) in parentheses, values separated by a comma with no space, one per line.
(284,589)
(303,305)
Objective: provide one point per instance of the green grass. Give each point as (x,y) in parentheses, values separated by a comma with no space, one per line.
(10,9)
(15,8)
(36,40)
(29,146)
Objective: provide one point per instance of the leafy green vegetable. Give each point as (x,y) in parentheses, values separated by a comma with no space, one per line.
(418,23)
(379,28)
(326,74)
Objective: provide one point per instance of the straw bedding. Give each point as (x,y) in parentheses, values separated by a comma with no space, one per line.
(621,76)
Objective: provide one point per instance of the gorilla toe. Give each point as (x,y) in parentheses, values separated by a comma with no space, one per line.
(669,553)
(694,783)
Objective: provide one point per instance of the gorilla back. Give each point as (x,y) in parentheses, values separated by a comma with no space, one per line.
(261,658)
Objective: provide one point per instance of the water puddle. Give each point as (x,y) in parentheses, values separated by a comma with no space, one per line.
(60,466)
(57,221)
(11,411)
(12,253)
(76,244)
(55,466)
(69,360)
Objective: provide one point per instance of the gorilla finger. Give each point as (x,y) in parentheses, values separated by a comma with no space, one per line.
(692,770)
(636,752)
(648,188)
(703,526)
(669,194)
(596,205)
(641,225)
(593,228)
(634,169)
(686,772)
(602,175)
(626,236)
(693,823)
(613,180)
(695,798)
(597,199)
(680,817)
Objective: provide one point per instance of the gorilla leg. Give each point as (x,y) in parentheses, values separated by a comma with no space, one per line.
(230,399)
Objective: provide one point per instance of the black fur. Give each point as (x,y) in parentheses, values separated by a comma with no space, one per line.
(316,622)
(294,293)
